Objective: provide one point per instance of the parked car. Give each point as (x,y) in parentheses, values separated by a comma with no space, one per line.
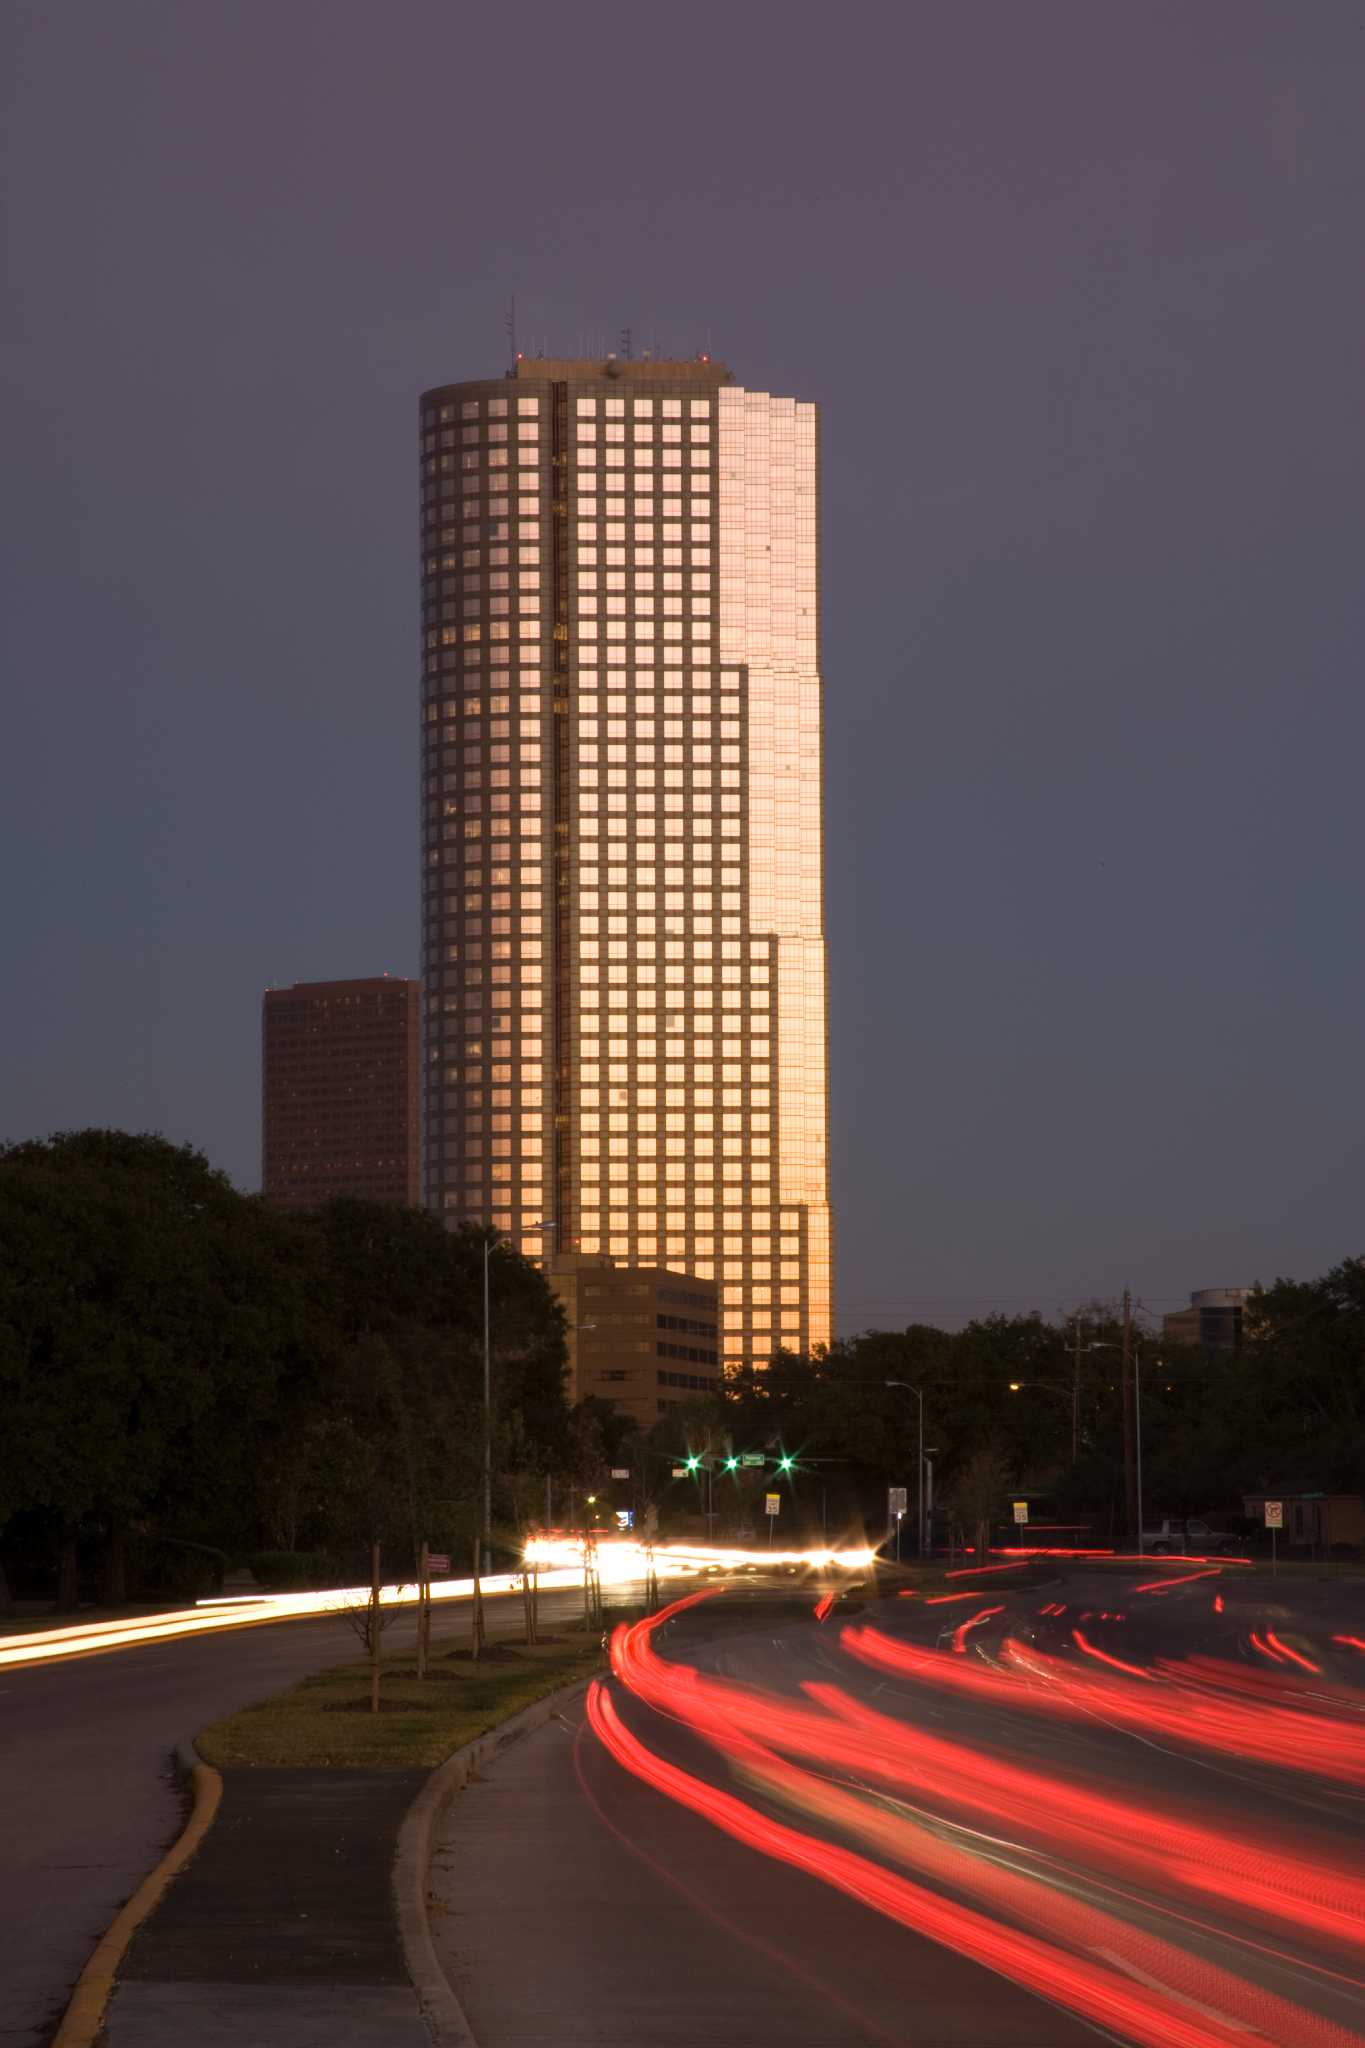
(1176,1534)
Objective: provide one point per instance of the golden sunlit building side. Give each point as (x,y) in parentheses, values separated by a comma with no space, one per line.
(622,851)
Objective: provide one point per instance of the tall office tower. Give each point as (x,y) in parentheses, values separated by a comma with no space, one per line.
(340,1092)
(622,897)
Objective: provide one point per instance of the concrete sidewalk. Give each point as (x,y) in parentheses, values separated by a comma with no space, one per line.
(281,1933)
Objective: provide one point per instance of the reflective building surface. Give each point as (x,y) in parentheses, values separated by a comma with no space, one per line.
(622,828)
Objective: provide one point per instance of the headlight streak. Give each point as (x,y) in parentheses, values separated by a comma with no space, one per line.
(1166,1851)
(560,1564)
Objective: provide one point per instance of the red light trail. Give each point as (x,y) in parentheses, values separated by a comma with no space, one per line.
(820,1754)
(972,1621)
(1325,1744)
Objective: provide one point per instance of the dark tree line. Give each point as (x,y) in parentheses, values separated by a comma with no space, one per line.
(181,1364)
(1285,1410)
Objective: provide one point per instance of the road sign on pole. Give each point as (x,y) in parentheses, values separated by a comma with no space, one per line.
(438,1561)
(620,1471)
(1274,1514)
(772,1503)
(895,1500)
(1021,1511)
(751,1457)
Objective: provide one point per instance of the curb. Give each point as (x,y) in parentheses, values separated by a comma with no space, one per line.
(84,2015)
(441,2008)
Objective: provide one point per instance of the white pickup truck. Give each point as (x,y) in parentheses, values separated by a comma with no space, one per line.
(1188,1537)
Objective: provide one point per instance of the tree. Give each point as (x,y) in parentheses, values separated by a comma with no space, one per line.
(977,1493)
(145,1307)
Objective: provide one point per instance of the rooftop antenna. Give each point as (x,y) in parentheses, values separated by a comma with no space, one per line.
(510,323)
(625,343)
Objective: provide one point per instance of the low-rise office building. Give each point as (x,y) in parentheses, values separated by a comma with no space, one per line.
(641,1337)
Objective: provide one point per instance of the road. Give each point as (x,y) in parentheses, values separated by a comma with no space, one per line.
(87,1792)
(1126,1804)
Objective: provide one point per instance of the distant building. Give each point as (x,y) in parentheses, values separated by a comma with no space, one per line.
(1213,1319)
(340,1092)
(642,1338)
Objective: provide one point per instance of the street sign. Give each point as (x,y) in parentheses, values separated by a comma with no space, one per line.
(1274,1514)
(1021,1511)
(620,1471)
(680,1471)
(438,1561)
(895,1500)
(772,1503)
(751,1457)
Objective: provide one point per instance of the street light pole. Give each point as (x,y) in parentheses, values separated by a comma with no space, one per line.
(487,1399)
(1137,1420)
(906,1386)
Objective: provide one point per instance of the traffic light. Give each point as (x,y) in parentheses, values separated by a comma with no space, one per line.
(784,1463)
(693,1462)
(732,1464)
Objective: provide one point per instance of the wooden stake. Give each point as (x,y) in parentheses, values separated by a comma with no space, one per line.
(374,1628)
(423,1610)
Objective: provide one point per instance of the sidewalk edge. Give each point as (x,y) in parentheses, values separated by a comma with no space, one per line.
(441,2007)
(84,2015)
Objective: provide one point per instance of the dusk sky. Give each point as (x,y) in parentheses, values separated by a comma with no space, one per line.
(1079,289)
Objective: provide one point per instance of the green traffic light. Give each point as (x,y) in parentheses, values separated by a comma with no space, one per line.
(692,1464)
(784,1464)
(732,1464)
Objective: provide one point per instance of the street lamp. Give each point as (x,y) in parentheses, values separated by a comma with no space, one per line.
(491,1238)
(906,1387)
(1136,1355)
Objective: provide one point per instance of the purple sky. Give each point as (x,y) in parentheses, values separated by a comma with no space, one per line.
(1079,289)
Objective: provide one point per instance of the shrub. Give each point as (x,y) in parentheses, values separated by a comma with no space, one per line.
(293,1571)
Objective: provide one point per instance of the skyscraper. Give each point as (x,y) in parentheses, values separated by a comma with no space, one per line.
(622,840)
(340,1096)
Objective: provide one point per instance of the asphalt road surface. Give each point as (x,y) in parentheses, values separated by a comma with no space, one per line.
(1126,1804)
(89,1800)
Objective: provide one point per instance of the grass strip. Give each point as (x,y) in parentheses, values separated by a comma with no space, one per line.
(325,1721)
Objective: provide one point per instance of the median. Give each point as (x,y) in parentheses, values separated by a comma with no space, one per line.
(325,1721)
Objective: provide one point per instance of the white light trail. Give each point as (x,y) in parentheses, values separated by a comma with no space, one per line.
(558,1563)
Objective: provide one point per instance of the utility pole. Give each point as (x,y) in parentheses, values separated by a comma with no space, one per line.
(1129,1423)
(487,1398)
(1076,1398)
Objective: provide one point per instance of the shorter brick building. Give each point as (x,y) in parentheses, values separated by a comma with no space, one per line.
(640,1337)
(340,1091)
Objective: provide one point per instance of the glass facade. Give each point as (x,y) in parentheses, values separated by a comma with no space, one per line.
(622,836)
